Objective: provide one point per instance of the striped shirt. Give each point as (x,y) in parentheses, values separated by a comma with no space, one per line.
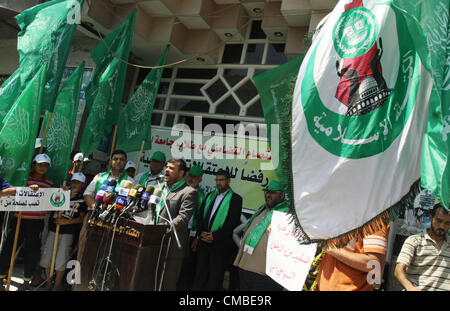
(427,265)
(43,182)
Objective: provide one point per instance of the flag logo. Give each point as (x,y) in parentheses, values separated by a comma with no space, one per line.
(355,112)
(355,32)
(57,199)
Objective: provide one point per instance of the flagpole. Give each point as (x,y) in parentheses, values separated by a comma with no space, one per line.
(13,254)
(55,242)
(113,144)
(44,136)
(139,156)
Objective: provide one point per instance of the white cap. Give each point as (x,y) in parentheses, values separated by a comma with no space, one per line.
(42,158)
(78,157)
(130,164)
(79,177)
(38,143)
(86,159)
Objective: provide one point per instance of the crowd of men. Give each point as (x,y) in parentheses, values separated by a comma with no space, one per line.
(203,224)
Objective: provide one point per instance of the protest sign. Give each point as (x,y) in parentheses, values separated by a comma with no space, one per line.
(45,199)
(288,262)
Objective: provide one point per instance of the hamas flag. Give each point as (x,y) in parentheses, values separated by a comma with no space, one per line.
(359,115)
(105,91)
(46,36)
(134,124)
(19,130)
(61,126)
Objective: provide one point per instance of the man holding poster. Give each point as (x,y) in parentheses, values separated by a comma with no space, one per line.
(251,258)
(31,227)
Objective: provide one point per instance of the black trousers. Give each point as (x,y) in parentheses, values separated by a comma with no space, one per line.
(187,273)
(251,281)
(29,235)
(211,263)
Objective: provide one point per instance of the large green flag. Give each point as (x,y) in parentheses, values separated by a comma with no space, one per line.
(276,90)
(46,36)
(433,15)
(134,125)
(19,130)
(61,127)
(104,92)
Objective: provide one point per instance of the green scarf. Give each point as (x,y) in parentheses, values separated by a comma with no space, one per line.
(104,177)
(143,179)
(256,234)
(222,210)
(165,193)
(201,197)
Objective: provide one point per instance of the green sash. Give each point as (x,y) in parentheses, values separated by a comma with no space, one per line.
(143,179)
(256,234)
(201,197)
(104,177)
(222,210)
(165,193)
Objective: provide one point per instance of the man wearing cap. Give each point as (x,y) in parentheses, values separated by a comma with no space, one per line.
(216,219)
(130,168)
(31,227)
(157,163)
(193,178)
(251,257)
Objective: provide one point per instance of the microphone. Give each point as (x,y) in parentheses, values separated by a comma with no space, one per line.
(159,177)
(145,198)
(134,198)
(120,202)
(155,199)
(125,184)
(99,200)
(108,198)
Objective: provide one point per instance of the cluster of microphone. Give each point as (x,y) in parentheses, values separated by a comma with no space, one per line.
(126,201)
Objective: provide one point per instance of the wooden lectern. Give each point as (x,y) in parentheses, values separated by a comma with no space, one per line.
(133,260)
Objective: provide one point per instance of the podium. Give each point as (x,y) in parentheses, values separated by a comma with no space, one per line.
(133,263)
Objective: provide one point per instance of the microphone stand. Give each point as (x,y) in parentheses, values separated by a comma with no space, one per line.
(172,227)
(110,250)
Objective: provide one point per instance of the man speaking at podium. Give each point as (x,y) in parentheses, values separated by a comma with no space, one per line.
(181,200)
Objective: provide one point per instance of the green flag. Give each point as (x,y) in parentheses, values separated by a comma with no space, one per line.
(433,15)
(46,36)
(19,131)
(9,91)
(276,90)
(61,127)
(104,92)
(135,119)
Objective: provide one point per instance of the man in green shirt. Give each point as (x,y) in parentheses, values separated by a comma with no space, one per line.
(157,163)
